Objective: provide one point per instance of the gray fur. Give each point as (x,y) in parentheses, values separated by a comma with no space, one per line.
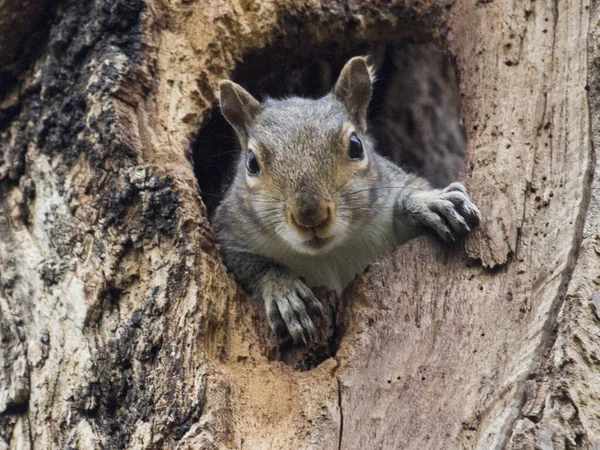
(303,155)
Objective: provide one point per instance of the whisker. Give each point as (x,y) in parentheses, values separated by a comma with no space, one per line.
(268,209)
(212,194)
(373,207)
(342,185)
(408,188)
(279,200)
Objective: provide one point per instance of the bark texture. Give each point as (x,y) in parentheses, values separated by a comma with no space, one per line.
(119,325)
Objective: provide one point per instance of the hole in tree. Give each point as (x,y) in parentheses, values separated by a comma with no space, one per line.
(414,114)
(414,117)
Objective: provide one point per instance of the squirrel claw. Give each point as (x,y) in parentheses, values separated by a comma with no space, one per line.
(449,212)
(288,302)
(463,204)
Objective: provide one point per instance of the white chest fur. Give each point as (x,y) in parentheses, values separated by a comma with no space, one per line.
(338,267)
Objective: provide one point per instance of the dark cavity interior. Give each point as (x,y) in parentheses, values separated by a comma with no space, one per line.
(414,114)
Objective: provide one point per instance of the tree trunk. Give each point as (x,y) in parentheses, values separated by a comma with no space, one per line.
(121,328)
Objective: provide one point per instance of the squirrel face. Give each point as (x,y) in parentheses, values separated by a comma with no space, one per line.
(304,173)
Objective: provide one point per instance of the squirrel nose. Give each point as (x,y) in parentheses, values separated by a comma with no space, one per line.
(311,215)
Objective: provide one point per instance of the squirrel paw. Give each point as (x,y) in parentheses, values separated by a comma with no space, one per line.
(289,301)
(449,212)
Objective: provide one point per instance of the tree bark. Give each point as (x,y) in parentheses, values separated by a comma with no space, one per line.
(121,328)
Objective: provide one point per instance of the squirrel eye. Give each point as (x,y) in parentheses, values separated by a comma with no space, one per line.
(252,165)
(356,152)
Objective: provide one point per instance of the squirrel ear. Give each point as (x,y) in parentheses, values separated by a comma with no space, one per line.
(238,106)
(353,88)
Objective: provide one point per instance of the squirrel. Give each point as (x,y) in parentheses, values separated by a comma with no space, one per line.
(311,202)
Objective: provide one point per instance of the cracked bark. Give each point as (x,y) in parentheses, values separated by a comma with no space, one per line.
(119,325)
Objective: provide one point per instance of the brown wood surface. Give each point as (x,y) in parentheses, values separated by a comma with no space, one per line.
(119,324)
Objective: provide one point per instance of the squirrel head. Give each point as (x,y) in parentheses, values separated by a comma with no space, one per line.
(305,173)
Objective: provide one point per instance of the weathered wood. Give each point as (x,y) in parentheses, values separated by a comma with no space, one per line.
(119,325)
